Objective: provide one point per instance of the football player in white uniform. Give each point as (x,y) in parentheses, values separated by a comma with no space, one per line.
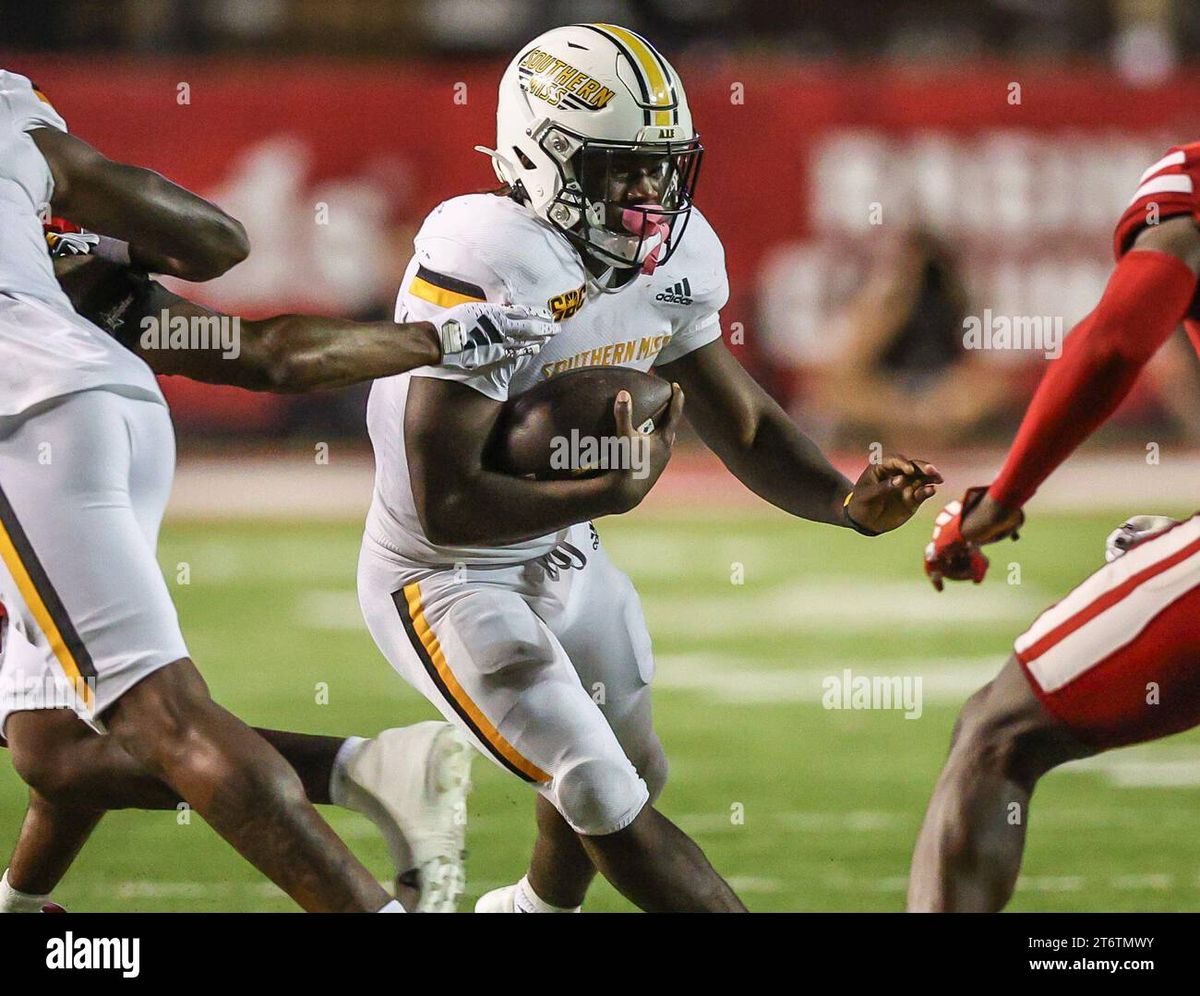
(89,639)
(492,594)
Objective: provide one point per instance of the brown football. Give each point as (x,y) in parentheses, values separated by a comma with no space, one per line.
(569,413)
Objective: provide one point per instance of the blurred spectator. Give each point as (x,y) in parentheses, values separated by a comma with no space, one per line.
(903,360)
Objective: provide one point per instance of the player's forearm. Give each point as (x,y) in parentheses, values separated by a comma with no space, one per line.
(780,464)
(753,436)
(465,513)
(304,352)
(171,230)
(1146,299)
(284,354)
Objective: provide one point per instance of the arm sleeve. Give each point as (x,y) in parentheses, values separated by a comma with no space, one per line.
(1147,297)
(442,274)
(703,274)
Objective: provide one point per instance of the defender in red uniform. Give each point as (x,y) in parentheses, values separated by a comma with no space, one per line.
(1117,661)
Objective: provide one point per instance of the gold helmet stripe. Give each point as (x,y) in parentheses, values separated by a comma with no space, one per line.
(658,85)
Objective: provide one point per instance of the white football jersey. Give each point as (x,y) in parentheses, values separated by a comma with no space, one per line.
(46,349)
(485,247)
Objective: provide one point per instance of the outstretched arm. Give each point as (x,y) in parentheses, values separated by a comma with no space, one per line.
(765,450)
(170,230)
(290,354)
(1149,294)
(285,353)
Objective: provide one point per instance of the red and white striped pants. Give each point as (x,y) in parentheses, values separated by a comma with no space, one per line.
(1118,659)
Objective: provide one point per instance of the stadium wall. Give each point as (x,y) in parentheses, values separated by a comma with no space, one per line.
(333,164)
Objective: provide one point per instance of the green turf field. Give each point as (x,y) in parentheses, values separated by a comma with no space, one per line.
(802,808)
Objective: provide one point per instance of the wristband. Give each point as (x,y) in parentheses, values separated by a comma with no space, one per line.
(452,336)
(114,250)
(858,527)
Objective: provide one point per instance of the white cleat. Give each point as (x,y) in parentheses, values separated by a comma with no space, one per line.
(413,782)
(502,900)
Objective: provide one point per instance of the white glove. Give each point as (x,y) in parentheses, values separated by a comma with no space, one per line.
(72,243)
(1133,531)
(477,335)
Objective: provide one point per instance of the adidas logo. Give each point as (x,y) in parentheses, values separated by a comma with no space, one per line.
(681,293)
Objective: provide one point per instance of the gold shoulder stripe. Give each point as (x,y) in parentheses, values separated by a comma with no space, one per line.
(442,290)
(438,295)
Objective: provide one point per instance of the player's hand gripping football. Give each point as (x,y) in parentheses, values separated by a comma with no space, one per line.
(477,335)
(887,493)
(959,531)
(649,448)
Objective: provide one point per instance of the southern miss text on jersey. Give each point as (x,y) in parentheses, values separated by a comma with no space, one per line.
(489,247)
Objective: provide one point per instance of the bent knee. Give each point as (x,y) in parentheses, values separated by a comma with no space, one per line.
(164,705)
(1002,742)
(51,774)
(599,796)
(652,766)
(49,751)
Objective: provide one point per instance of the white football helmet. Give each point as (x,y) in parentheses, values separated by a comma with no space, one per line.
(594,133)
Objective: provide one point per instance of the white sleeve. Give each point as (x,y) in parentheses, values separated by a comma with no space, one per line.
(24,107)
(700,333)
(442,274)
(699,323)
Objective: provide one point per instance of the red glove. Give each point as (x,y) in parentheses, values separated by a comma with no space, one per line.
(59,224)
(948,555)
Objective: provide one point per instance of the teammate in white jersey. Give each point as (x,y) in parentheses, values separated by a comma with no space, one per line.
(89,639)
(492,594)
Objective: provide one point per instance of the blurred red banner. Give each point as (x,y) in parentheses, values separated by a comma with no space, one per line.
(332,165)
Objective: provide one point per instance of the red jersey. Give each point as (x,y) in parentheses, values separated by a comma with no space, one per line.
(1169,188)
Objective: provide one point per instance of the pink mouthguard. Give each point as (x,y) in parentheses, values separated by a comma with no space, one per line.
(647,223)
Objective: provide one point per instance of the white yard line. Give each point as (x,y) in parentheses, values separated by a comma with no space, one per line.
(291,484)
(944,681)
(1149,766)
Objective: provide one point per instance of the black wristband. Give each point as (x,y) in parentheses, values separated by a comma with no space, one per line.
(858,527)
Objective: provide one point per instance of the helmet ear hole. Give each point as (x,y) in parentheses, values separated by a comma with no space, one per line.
(524,159)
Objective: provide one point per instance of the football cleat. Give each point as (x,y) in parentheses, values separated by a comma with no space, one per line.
(502,900)
(1137,529)
(412,783)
